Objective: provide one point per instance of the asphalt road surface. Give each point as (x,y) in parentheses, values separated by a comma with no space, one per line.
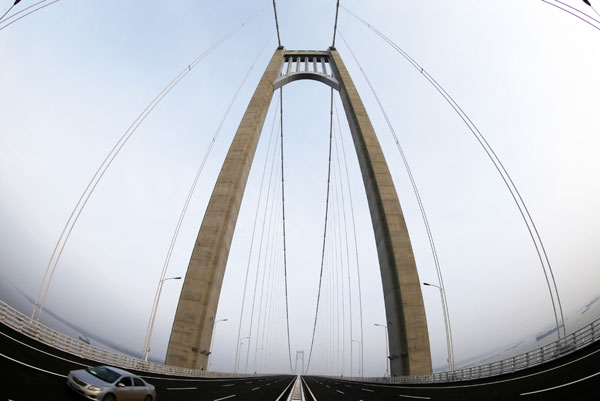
(573,377)
(33,371)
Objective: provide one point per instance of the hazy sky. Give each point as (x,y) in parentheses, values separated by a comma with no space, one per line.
(76,74)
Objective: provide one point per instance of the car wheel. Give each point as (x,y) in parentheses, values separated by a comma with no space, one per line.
(109,397)
(148,398)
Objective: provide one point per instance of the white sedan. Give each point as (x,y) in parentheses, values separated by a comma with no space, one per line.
(105,383)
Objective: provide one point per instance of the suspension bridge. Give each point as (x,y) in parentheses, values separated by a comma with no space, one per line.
(358,173)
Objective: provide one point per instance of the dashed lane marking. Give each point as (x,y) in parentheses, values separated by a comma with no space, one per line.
(414,396)
(182,388)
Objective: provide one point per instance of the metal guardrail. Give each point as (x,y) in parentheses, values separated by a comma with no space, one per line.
(566,345)
(44,334)
(23,324)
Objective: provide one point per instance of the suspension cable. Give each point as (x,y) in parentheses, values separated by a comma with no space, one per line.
(324,232)
(573,14)
(506,178)
(421,209)
(97,177)
(260,192)
(25,15)
(354,235)
(287,311)
(268,201)
(276,23)
(270,290)
(347,248)
(337,9)
(188,199)
(266,265)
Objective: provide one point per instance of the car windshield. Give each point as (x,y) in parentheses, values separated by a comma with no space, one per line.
(104,373)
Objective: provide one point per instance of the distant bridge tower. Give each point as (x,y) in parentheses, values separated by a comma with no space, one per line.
(299,355)
(405,312)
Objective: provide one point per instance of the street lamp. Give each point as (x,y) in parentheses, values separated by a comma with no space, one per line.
(237,362)
(153,316)
(590,4)
(449,343)
(359,359)
(14,4)
(212,340)
(387,347)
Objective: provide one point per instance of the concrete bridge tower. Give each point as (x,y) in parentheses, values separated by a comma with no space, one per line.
(405,312)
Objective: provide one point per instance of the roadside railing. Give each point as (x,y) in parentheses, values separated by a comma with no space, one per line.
(44,334)
(566,345)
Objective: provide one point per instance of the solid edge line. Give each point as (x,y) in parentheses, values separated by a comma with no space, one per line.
(562,385)
(45,352)
(288,386)
(308,388)
(33,367)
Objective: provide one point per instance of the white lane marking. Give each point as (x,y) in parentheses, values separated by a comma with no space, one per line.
(255,388)
(44,352)
(327,385)
(341,392)
(414,396)
(33,367)
(200,379)
(366,389)
(308,388)
(562,385)
(248,382)
(284,391)
(347,385)
(224,398)
(268,384)
(182,388)
(228,385)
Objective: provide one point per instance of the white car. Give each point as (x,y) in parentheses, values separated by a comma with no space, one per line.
(105,383)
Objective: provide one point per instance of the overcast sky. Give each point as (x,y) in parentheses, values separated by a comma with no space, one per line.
(76,74)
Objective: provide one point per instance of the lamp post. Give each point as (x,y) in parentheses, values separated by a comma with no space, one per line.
(153,316)
(14,4)
(387,348)
(237,362)
(359,359)
(212,340)
(590,4)
(449,343)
